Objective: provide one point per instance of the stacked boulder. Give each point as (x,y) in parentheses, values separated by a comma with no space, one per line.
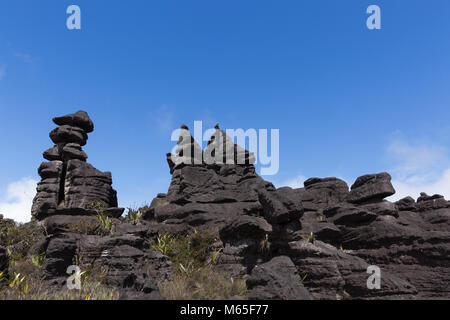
(69,184)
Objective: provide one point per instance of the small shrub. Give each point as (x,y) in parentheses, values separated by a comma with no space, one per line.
(264,245)
(105,221)
(38,260)
(133,215)
(311,237)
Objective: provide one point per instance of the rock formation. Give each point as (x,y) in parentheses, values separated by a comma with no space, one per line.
(69,184)
(331,234)
(315,242)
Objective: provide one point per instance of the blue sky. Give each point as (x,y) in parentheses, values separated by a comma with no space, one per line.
(347,100)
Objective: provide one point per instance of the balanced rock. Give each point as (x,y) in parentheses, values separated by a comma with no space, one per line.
(78,119)
(371,187)
(69,185)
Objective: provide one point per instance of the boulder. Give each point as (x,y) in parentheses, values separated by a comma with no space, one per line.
(371,187)
(406,204)
(68,134)
(320,193)
(246,227)
(78,119)
(73,151)
(277,279)
(52,154)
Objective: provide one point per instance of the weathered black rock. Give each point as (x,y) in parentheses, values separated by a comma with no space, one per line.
(277,279)
(78,119)
(313,242)
(371,187)
(69,185)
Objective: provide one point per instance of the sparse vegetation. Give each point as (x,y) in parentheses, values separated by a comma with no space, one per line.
(311,237)
(193,258)
(19,238)
(105,221)
(84,227)
(133,215)
(264,245)
(38,259)
(345,250)
(201,284)
(25,283)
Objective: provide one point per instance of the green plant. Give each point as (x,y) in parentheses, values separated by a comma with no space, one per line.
(105,221)
(264,245)
(304,278)
(163,243)
(345,250)
(133,215)
(215,255)
(38,260)
(311,237)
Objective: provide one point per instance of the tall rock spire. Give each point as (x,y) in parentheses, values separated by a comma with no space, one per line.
(69,184)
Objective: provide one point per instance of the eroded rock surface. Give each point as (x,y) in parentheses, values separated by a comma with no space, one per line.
(68,182)
(315,242)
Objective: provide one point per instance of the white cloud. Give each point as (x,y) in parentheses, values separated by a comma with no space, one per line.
(19,197)
(440,186)
(419,167)
(294,183)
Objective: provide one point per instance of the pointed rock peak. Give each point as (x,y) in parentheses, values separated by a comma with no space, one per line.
(78,119)
(188,150)
(222,149)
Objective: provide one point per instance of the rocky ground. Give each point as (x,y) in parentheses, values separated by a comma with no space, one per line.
(221,231)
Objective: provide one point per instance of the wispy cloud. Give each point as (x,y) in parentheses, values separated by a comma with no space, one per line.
(419,167)
(18,200)
(294,183)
